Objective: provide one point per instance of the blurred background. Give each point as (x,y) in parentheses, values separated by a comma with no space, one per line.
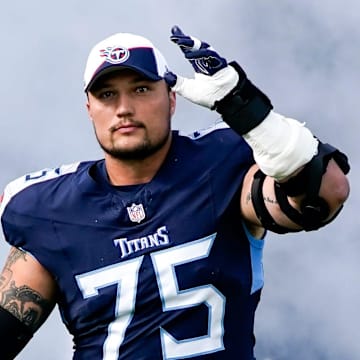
(303,54)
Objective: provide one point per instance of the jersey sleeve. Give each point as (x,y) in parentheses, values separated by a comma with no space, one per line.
(19,200)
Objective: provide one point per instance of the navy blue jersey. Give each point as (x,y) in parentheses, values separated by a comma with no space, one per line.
(162,270)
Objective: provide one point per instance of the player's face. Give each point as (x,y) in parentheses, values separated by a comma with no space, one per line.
(131,114)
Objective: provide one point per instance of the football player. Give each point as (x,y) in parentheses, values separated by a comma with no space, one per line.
(155,251)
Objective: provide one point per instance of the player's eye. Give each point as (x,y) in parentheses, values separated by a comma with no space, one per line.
(142,89)
(106,94)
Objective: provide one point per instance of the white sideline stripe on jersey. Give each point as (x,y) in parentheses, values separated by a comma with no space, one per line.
(21,183)
(203,132)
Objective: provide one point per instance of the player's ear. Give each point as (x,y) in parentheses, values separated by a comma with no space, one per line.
(172,98)
(87,104)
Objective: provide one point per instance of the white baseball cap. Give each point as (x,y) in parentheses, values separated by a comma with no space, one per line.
(124,50)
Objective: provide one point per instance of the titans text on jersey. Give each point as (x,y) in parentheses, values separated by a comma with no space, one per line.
(129,246)
(162,270)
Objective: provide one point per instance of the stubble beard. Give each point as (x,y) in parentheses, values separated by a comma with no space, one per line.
(142,151)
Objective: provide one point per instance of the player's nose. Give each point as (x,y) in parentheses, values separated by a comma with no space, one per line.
(124,106)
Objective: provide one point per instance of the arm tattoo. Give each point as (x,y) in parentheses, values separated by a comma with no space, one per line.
(23,302)
(266,199)
(248,198)
(3,280)
(270,201)
(26,304)
(15,255)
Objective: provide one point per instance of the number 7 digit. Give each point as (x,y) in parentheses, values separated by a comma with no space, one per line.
(125,276)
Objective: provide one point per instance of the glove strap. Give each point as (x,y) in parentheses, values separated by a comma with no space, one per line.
(245,107)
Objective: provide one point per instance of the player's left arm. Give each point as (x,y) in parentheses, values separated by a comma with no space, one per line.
(298,181)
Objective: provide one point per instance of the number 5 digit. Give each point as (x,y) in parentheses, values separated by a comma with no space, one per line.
(172,298)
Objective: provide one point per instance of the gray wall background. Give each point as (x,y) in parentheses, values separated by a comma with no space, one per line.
(303,54)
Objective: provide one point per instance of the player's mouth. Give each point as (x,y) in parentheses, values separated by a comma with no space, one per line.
(127,128)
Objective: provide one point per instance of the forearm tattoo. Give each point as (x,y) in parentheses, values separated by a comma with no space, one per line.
(23,302)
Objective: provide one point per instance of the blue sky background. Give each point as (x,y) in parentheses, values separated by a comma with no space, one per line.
(304,54)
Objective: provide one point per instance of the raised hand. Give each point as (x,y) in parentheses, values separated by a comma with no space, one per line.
(202,56)
(213,78)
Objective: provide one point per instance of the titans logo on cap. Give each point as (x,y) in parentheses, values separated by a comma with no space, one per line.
(115,55)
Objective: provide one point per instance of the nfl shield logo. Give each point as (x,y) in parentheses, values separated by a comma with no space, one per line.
(136,212)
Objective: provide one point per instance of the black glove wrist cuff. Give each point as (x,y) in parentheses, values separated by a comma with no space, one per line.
(245,106)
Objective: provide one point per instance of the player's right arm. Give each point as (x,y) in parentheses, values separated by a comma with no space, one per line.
(27,297)
(298,182)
